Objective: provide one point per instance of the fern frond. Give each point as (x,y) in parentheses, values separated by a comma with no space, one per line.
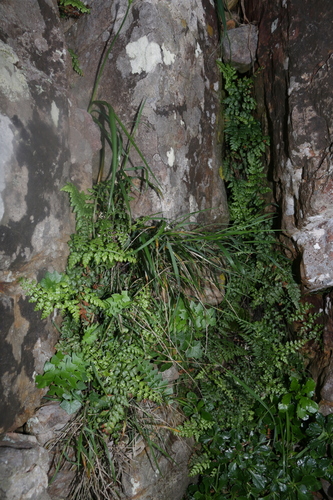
(82,207)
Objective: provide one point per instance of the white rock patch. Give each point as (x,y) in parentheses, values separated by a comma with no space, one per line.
(144,55)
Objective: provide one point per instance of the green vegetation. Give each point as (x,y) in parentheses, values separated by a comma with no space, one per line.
(267,439)
(75,62)
(72,8)
(134,301)
(132,306)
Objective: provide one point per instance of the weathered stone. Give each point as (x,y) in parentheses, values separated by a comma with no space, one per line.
(84,143)
(35,156)
(166,55)
(18,440)
(297,80)
(171,374)
(47,422)
(152,475)
(167,479)
(23,471)
(239,47)
(46,425)
(60,487)
(34,163)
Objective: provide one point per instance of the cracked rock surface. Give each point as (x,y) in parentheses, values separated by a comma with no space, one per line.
(295,52)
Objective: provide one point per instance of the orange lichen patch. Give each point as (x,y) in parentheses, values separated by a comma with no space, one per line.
(210,30)
(5,287)
(231,24)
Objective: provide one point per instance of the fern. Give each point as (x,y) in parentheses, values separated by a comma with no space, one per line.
(199,464)
(82,207)
(243,167)
(76,4)
(254,338)
(194,427)
(75,62)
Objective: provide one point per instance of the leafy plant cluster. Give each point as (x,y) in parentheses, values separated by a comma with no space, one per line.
(72,8)
(131,300)
(134,305)
(118,336)
(282,457)
(263,441)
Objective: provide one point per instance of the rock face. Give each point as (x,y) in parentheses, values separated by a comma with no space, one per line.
(152,475)
(294,51)
(47,422)
(295,40)
(169,480)
(34,216)
(23,468)
(36,125)
(166,56)
(239,47)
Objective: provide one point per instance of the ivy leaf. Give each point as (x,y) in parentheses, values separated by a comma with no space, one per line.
(117,302)
(195,351)
(41,383)
(71,406)
(55,361)
(81,386)
(48,367)
(285,402)
(306,406)
(309,388)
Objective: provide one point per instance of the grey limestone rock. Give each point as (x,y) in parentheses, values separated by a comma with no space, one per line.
(166,56)
(34,215)
(239,47)
(23,468)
